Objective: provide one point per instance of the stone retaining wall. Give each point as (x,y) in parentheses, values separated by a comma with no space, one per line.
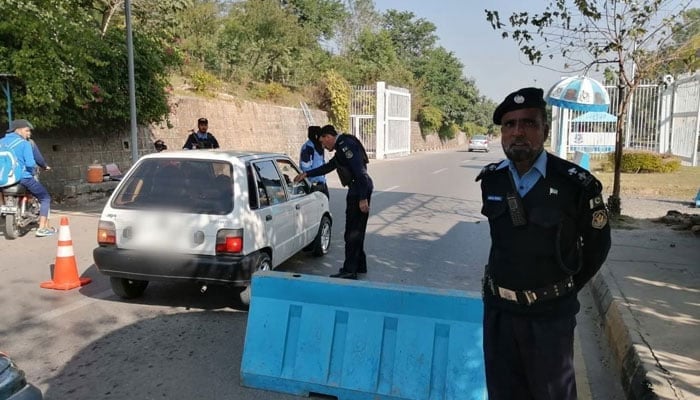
(236,124)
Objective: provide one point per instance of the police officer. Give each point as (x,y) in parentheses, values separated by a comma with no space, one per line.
(549,236)
(312,157)
(201,138)
(350,161)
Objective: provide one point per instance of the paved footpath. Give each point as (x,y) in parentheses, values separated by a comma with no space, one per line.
(648,295)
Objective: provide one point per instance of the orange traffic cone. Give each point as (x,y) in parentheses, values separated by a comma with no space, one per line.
(65,271)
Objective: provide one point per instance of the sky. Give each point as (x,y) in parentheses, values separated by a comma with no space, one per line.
(495,64)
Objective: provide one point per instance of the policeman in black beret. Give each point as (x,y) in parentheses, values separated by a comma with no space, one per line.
(350,161)
(549,236)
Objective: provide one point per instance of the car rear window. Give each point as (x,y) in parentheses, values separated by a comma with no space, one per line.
(188,186)
(478,137)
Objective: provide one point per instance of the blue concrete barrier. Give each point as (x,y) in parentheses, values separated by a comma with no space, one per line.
(697,199)
(360,340)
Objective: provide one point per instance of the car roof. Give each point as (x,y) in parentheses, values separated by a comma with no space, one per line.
(215,154)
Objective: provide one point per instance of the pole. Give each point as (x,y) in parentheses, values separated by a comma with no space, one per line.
(8,96)
(132,84)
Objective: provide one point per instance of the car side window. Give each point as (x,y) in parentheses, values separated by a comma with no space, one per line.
(289,171)
(270,182)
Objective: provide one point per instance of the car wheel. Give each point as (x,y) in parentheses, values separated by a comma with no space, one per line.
(11,228)
(322,242)
(263,263)
(128,288)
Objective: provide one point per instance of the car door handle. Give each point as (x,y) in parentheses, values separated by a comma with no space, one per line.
(268,217)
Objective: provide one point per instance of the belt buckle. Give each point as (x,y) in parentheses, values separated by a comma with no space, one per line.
(530,296)
(507,294)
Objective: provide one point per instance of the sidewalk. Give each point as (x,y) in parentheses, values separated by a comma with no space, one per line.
(648,296)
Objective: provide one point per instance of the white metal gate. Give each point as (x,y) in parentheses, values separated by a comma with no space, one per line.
(381,118)
(680,129)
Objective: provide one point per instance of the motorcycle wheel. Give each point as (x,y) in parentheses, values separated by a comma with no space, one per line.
(11,227)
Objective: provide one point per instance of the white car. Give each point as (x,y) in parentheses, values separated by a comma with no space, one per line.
(478,142)
(209,217)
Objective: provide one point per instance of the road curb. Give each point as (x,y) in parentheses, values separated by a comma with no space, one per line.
(622,332)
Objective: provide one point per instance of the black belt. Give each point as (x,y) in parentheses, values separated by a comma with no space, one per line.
(528,297)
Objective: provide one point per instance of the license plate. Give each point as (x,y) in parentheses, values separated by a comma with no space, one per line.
(8,209)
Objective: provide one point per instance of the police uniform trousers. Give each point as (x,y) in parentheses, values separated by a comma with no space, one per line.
(355,227)
(529,358)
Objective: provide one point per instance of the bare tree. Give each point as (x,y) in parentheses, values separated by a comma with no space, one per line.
(627,34)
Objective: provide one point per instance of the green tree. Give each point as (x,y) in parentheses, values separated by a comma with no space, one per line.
(66,70)
(626,34)
(412,38)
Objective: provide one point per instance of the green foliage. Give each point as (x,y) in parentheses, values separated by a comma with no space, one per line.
(636,162)
(69,73)
(269,91)
(204,81)
(471,129)
(448,131)
(430,119)
(336,100)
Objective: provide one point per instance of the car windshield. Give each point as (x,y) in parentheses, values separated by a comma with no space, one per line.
(478,137)
(182,185)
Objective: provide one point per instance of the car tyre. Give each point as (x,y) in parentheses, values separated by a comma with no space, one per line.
(263,263)
(128,288)
(322,242)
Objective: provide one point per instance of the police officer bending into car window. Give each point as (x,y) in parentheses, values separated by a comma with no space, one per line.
(350,161)
(549,236)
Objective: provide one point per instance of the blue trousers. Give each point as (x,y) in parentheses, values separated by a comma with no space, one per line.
(39,191)
(529,358)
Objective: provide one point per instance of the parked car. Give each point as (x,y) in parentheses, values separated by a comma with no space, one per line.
(478,142)
(13,383)
(209,217)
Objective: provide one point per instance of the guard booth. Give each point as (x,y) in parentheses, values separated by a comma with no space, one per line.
(380,116)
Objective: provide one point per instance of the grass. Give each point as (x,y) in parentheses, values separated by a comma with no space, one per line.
(680,185)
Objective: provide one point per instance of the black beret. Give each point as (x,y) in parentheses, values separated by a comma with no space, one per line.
(524,98)
(328,130)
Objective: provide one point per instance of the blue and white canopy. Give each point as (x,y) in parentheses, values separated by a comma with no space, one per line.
(579,93)
(595,116)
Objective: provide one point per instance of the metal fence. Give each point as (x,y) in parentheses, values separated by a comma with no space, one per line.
(661,118)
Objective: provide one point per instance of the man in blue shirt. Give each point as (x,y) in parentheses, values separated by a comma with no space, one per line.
(201,139)
(18,140)
(312,157)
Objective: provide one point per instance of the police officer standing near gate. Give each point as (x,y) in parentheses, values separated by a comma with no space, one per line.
(549,236)
(350,160)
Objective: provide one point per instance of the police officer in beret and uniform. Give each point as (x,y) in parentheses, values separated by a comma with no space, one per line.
(549,236)
(350,161)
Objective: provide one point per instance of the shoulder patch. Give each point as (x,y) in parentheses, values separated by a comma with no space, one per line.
(575,173)
(487,170)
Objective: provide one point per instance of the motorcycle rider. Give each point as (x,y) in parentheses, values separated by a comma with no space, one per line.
(24,152)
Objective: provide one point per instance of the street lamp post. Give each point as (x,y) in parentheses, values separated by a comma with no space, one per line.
(132,84)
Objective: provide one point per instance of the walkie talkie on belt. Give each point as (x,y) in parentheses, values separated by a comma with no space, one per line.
(515,205)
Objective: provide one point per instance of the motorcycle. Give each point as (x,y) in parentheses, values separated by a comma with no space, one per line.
(19,209)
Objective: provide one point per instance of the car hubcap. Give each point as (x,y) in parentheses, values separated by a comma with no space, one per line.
(325,236)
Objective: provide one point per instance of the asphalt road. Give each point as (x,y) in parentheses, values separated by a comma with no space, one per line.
(176,343)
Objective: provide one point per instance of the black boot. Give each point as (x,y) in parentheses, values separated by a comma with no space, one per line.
(343,274)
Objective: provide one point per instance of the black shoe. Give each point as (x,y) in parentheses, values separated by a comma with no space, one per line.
(345,275)
(362,271)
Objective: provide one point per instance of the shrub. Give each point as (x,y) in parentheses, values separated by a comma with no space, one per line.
(448,132)
(430,119)
(203,81)
(635,162)
(269,91)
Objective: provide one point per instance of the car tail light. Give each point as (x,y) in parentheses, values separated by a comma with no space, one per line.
(106,233)
(229,241)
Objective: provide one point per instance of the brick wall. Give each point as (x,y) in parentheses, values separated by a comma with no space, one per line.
(236,124)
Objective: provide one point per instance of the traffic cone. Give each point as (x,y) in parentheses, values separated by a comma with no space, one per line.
(65,271)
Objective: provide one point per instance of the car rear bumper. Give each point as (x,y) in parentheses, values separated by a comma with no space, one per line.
(139,265)
(28,392)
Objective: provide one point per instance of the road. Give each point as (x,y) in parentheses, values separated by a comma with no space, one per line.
(176,343)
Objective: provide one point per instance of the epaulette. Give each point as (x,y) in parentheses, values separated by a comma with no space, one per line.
(575,173)
(487,170)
